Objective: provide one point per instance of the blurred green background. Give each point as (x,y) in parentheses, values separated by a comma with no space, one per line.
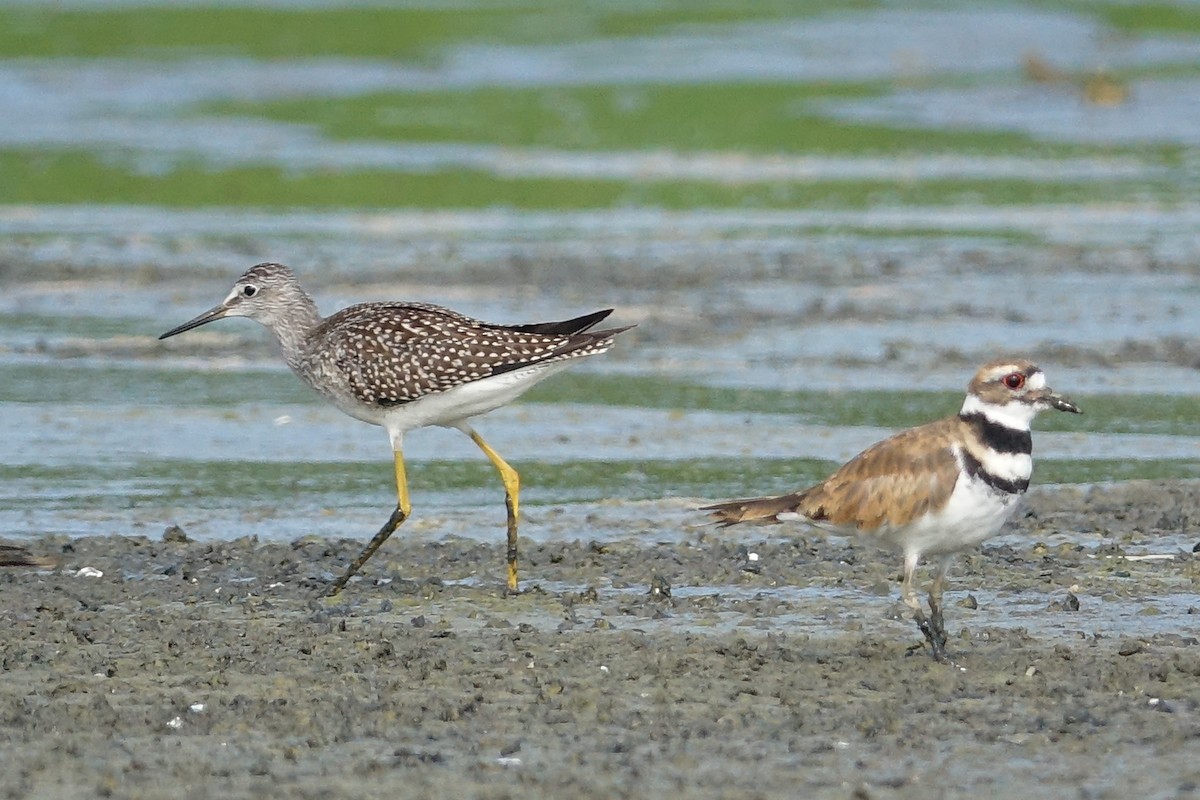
(516,93)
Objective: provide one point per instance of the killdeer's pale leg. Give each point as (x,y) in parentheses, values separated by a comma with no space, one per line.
(932,626)
(937,621)
(932,490)
(409,365)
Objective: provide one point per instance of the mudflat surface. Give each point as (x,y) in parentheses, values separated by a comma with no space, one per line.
(757,662)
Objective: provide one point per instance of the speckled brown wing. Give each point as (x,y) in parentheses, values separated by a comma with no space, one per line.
(393,353)
(889,483)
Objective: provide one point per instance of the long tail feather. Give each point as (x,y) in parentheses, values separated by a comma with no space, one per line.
(19,557)
(754,509)
(566,326)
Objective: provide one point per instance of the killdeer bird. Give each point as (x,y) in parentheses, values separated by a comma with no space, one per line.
(409,365)
(932,490)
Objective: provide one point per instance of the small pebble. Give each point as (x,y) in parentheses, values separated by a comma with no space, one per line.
(175,534)
(1068,603)
(1130,647)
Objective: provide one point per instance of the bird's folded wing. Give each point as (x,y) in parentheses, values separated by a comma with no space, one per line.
(889,484)
(394,353)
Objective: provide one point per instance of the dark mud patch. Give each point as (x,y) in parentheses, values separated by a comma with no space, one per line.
(757,664)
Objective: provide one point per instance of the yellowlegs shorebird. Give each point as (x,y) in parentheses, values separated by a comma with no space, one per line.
(408,365)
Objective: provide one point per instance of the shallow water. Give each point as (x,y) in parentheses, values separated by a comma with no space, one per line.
(845,300)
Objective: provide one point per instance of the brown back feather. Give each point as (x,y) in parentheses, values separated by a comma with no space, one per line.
(890,483)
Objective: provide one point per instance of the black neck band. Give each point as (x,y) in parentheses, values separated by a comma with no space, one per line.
(976,470)
(998,437)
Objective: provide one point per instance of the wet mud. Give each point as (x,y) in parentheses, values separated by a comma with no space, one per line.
(753,662)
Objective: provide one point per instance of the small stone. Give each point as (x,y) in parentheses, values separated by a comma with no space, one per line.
(1158,704)
(1130,647)
(175,535)
(1068,603)
(881,588)
(750,561)
(1080,716)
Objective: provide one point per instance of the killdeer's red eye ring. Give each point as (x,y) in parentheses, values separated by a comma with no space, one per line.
(1014,380)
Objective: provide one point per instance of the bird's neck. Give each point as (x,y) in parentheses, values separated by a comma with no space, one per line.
(294,328)
(1015,415)
(998,448)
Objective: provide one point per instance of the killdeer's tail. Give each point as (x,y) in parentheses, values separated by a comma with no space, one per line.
(19,557)
(755,509)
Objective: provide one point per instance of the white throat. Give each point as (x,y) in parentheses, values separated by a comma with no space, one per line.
(1013,414)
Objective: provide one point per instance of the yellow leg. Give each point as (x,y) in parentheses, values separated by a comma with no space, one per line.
(403,509)
(512,499)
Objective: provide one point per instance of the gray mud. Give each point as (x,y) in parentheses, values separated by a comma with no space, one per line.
(773,664)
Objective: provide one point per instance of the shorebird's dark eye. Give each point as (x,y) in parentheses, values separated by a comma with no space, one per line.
(1014,380)
(249,291)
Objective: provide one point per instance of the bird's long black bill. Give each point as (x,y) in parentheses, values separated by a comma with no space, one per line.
(1063,404)
(208,316)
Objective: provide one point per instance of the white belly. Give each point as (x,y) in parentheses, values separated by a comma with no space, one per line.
(465,401)
(974,513)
